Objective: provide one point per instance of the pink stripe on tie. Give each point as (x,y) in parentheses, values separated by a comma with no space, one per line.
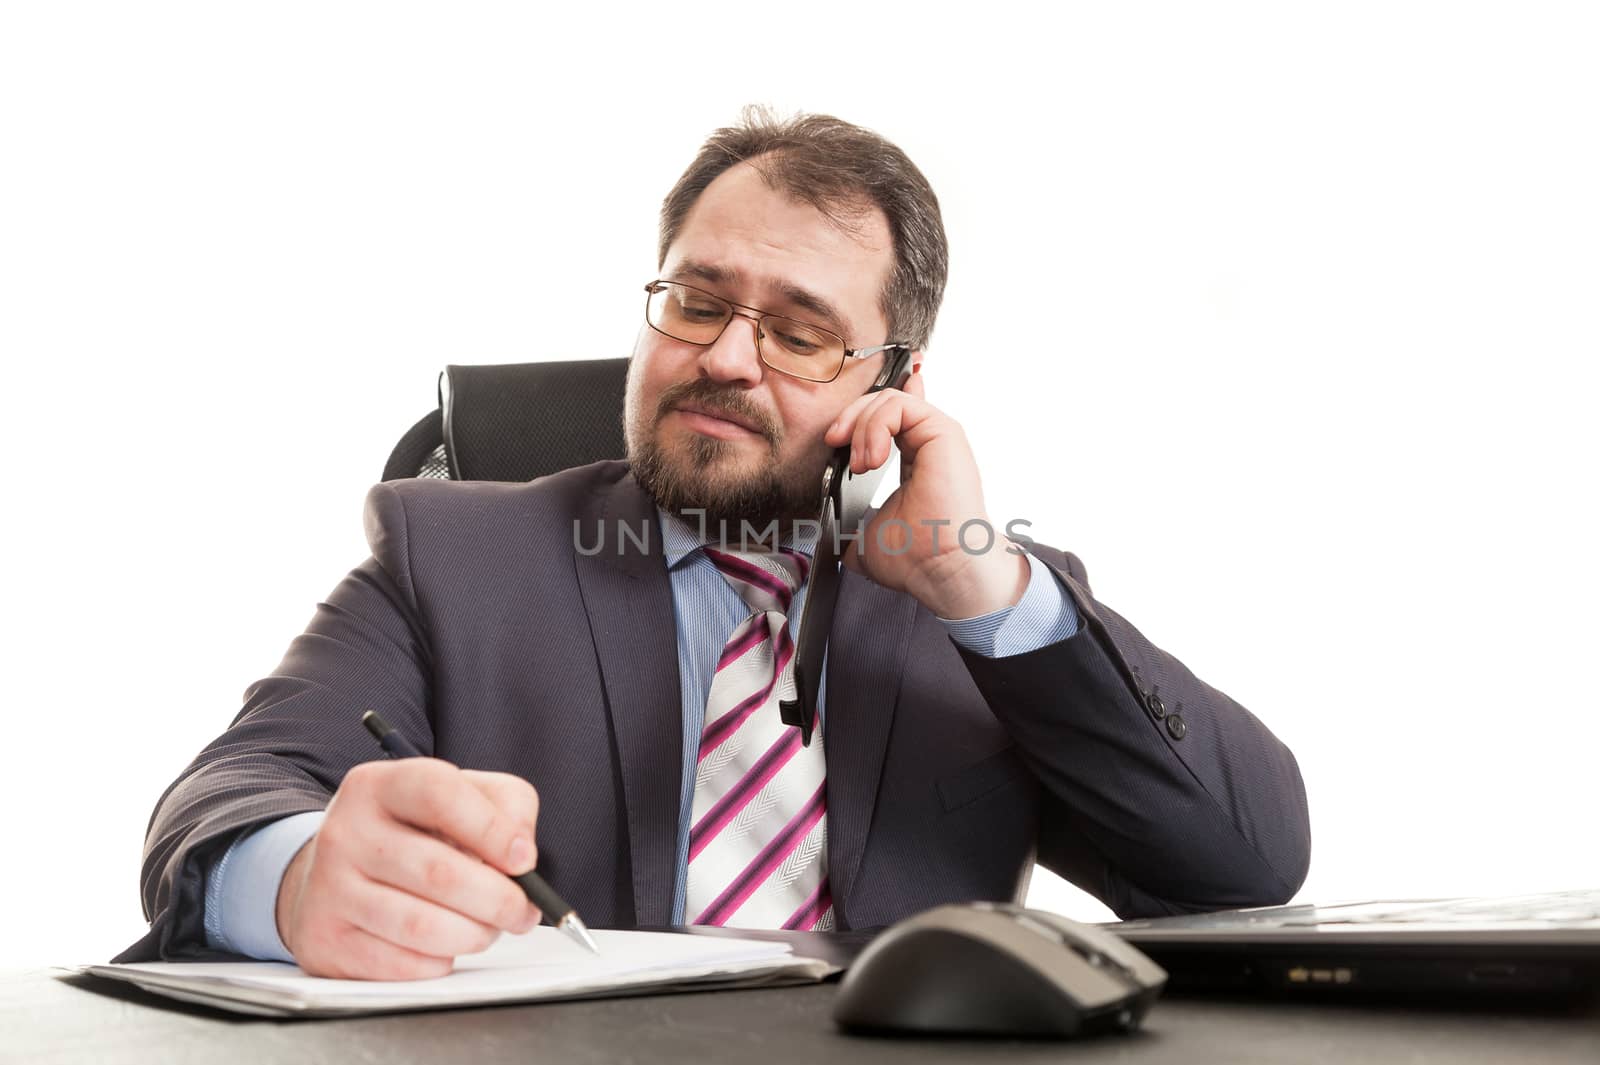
(764,864)
(739,796)
(739,569)
(811,910)
(736,648)
(717,733)
(801,560)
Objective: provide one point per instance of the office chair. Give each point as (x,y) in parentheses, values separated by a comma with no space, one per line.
(516,421)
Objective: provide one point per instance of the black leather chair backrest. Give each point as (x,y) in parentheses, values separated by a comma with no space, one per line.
(516,421)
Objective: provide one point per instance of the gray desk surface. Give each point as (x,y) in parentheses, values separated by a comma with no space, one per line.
(53,1017)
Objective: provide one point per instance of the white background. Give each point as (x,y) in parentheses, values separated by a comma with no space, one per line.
(1282,316)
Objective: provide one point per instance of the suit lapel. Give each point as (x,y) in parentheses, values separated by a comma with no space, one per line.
(866,657)
(628,598)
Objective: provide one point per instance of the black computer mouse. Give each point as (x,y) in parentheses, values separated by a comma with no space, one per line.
(991,968)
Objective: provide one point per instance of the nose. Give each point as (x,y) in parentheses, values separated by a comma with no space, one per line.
(734,357)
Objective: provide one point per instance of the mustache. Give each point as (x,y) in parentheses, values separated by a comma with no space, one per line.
(717,400)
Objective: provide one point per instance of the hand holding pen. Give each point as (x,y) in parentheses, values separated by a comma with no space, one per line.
(541,894)
(411,867)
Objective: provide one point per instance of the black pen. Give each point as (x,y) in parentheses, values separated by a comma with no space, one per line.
(539,893)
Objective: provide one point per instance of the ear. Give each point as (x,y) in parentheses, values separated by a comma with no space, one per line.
(913,383)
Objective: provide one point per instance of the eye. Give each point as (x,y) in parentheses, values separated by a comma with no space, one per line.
(700,310)
(796,339)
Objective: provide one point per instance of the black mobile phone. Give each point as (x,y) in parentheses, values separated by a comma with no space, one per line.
(845,499)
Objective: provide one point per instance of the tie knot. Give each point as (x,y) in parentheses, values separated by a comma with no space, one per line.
(764,580)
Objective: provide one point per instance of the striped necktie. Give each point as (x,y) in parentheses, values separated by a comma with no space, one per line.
(758,837)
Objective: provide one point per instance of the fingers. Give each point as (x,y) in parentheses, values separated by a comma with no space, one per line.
(876,426)
(343,924)
(417,864)
(514,797)
(838,433)
(874,423)
(355,954)
(410,869)
(435,796)
(413,923)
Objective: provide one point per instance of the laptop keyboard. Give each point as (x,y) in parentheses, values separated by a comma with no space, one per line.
(1566,908)
(1563,907)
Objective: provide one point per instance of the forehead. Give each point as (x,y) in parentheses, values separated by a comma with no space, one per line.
(759,246)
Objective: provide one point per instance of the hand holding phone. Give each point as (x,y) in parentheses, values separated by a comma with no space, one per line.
(931,539)
(844,500)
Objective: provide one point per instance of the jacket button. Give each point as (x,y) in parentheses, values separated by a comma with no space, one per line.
(1175,727)
(1157,707)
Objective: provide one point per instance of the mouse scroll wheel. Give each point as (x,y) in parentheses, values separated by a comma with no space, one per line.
(1047,929)
(1088,953)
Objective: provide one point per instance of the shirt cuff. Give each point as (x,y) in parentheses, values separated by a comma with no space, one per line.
(242,888)
(1044,615)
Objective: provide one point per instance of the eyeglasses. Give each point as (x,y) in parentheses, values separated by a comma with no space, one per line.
(695,316)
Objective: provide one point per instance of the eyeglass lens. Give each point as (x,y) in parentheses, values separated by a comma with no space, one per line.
(686,313)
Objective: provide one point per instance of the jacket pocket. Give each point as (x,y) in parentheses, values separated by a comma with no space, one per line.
(971,783)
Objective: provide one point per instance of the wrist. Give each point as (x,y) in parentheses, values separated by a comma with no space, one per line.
(988,582)
(289,893)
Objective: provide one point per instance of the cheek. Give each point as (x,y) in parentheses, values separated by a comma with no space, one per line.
(659,362)
(806,434)
(803,445)
(651,370)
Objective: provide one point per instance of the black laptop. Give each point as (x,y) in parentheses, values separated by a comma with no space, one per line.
(1526,944)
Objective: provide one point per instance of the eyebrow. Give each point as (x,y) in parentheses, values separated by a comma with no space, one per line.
(803,298)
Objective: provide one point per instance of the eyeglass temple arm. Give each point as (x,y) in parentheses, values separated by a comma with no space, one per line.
(867,353)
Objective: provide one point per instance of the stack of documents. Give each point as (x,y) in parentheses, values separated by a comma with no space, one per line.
(539,965)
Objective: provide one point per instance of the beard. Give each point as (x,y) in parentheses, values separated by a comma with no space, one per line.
(704,474)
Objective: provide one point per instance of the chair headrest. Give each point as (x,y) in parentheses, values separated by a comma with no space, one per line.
(518,421)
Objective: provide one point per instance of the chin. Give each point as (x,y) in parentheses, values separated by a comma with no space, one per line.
(730,480)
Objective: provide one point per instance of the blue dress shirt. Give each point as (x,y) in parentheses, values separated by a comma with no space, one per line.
(242,887)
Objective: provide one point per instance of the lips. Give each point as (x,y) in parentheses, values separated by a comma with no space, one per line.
(742,422)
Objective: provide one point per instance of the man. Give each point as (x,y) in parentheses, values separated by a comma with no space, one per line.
(608,712)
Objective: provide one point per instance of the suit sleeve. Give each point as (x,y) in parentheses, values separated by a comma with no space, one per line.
(1161,795)
(297,735)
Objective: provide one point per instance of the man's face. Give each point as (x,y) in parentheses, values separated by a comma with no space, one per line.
(763,458)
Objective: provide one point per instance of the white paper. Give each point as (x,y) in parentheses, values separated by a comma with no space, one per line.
(540,964)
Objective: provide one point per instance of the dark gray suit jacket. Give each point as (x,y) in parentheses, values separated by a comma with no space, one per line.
(480,631)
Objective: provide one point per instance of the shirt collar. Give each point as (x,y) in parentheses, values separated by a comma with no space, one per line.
(680,539)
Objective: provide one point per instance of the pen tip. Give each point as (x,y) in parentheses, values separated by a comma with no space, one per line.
(578,930)
(374,724)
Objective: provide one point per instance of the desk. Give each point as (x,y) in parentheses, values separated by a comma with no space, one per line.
(49,1017)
